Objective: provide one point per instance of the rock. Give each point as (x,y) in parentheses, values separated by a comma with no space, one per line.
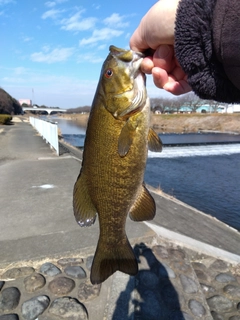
(219,304)
(9,317)
(160,251)
(32,308)
(49,269)
(9,299)
(68,308)
(61,286)
(34,282)
(199,266)
(75,272)
(233,291)
(182,266)
(188,284)
(219,265)
(234,318)
(186,316)
(216,316)
(197,308)
(201,275)
(15,273)
(87,291)
(176,254)
(89,262)
(70,262)
(224,278)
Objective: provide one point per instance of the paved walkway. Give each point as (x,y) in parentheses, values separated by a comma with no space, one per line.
(189,262)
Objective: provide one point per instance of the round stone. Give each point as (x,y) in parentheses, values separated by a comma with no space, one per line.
(148,279)
(196,308)
(87,291)
(34,282)
(9,317)
(9,298)
(219,265)
(216,316)
(49,269)
(176,254)
(188,284)
(68,308)
(219,304)
(186,316)
(182,266)
(160,251)
(224,278)
(233,291)
(199,266)
(201,275)
(89,262)
(75,272)
(61,286)
(70,261)
(235,318)
(165,271)
(238,306)
(15,273)
(32,308)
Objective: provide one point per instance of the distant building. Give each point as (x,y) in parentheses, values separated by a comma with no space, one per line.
(27,101)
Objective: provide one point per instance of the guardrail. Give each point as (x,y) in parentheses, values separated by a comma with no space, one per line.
(48,130)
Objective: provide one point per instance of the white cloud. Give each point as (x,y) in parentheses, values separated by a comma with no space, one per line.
(56,55)
(27,39)
(90,57)
(116,21)
(101,35)
(75,23)
(50,4)
(53,14)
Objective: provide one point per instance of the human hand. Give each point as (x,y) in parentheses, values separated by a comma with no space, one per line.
(156,31)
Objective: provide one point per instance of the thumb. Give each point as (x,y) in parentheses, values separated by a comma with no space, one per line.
(163,57)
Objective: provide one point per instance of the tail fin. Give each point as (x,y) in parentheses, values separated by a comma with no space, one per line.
(108,260)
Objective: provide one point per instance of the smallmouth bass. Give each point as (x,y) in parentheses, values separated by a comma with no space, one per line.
(110,182)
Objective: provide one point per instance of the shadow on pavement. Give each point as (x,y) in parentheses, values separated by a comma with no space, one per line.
(151,292)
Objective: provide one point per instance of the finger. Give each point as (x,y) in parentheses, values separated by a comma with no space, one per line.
(160,77)
(164,58)
(147,65)
(177,87)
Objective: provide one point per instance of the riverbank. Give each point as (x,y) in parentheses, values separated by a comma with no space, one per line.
(179,123)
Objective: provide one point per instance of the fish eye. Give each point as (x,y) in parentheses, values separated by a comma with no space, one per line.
(108,73)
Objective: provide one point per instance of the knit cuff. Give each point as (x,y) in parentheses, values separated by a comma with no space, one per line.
(194,51)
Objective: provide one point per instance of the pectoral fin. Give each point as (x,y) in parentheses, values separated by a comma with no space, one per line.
(144,207)
(154,142)
(84,210)
(126,137)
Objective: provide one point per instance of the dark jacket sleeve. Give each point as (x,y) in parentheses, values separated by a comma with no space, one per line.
(207,46)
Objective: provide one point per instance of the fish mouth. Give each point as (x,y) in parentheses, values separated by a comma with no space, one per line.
(139,85)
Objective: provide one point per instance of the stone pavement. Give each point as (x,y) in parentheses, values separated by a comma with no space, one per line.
(189,263)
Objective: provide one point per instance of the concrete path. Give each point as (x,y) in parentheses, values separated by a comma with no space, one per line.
(38,227)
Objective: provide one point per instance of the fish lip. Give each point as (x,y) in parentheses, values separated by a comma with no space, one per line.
(136,63)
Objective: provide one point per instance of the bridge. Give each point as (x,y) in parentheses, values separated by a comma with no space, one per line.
(48,110)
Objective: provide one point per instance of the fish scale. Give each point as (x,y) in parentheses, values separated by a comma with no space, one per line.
(110,183)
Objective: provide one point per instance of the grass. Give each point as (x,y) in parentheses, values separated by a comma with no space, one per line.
(5,119)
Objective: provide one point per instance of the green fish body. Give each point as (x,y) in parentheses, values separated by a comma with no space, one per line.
(110,182)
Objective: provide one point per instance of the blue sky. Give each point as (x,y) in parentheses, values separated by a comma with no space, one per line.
(52,51)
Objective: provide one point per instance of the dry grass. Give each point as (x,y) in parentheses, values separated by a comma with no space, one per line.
(182,122)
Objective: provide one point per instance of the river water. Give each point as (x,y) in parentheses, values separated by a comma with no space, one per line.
(202,170)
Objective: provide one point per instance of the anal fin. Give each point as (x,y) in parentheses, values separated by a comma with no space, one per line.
(144,208)
(84,210)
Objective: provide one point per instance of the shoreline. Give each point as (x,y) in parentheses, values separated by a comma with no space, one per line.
(181,123)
